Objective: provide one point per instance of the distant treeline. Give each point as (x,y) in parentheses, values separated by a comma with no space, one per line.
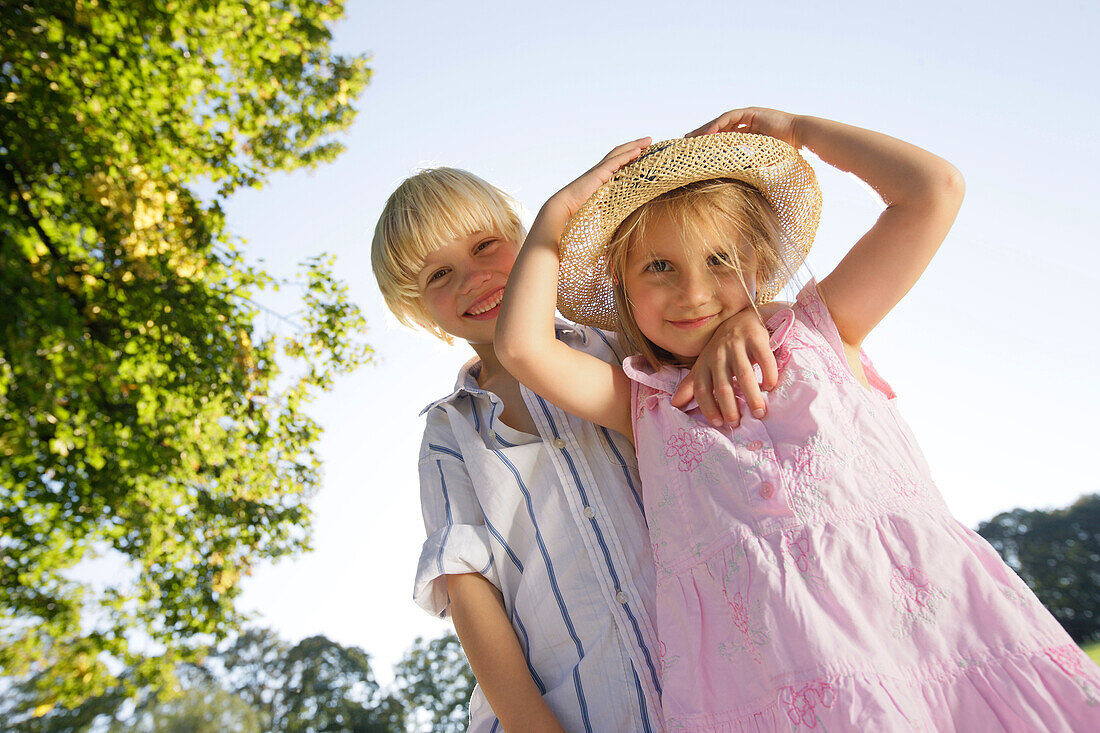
(1057,553)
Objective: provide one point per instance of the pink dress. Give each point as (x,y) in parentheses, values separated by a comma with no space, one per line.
(810,576)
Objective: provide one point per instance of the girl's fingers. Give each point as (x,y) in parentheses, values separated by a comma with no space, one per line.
(710,409)
(723,388)
(619,157)
(769,370)
(746,379)
(705,129)
(727,403)
(628,148)
(724,123)
(685,392)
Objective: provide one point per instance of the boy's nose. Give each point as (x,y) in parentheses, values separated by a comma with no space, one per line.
(473,279)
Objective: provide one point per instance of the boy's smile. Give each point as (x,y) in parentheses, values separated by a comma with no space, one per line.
(463,281)
(487,307)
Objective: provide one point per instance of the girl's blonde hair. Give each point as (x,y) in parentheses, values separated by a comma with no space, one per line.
(429,209)
(728,212)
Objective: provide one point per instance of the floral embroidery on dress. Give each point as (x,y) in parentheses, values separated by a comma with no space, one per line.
(750,623)
(668,661)
(657,543)
(801,338)
(811,464)
(1014,596)
(797,546)
(1071,659)
(916,599)
(647,400)
(801,703)
(688,445)
(904,485)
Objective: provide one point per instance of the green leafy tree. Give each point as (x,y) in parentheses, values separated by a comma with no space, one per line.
(315,685)
(202,705)
(330,687)
(435,682)
(254,681)
(143,415)
(1057,553)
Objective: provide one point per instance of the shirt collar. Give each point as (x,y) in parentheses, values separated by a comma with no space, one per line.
(466,384)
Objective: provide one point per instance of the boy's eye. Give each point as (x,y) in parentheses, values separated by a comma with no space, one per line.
(483,245)
(437,275)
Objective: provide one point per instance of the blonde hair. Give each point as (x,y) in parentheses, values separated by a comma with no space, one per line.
(427,210)
(723,210)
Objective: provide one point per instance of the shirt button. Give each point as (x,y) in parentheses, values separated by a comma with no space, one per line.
(766,490)
(621,597)
(559,443)
(589,512)
(756,445)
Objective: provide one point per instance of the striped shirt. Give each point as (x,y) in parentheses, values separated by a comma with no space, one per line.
(555,522)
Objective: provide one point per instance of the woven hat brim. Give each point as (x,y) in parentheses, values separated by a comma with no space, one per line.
(777,170)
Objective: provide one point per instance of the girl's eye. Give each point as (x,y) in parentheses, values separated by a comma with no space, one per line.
(658,266)
(720,259)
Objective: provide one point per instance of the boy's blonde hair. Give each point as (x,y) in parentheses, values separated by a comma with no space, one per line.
(427,210)
(732,214)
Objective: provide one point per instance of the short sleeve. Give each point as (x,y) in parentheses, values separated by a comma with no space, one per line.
(458,539)
(811,306)
(814,310)
(607,345)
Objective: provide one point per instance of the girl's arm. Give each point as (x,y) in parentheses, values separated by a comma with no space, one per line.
(922,193)
(495,655)
(578,383)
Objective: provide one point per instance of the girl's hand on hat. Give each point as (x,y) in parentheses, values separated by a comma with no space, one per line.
(570,199)
(725,366)
(760,120)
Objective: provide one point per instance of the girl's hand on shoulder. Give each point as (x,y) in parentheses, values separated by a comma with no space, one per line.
(725,366)
(570,199)
(760,120)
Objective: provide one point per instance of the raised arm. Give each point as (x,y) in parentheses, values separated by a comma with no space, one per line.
(922,193)
(525,343)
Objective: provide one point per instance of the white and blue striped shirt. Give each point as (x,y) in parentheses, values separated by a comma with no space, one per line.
(555,522)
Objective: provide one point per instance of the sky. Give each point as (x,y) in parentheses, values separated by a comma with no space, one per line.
(993,353)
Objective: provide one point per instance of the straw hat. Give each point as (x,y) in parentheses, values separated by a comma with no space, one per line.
(772,166)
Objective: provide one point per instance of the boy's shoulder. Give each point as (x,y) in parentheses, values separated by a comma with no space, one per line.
(605,345)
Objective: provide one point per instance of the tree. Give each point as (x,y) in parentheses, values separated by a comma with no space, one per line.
(202,706)
(329,687)
(143,414)
(1057,553)
(435,682)
(254,681)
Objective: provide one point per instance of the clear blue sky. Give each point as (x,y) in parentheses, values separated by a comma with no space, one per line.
(993,353)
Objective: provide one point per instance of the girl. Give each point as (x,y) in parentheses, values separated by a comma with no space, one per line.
(809,574)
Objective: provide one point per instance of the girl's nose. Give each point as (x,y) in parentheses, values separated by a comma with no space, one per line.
(696,288)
